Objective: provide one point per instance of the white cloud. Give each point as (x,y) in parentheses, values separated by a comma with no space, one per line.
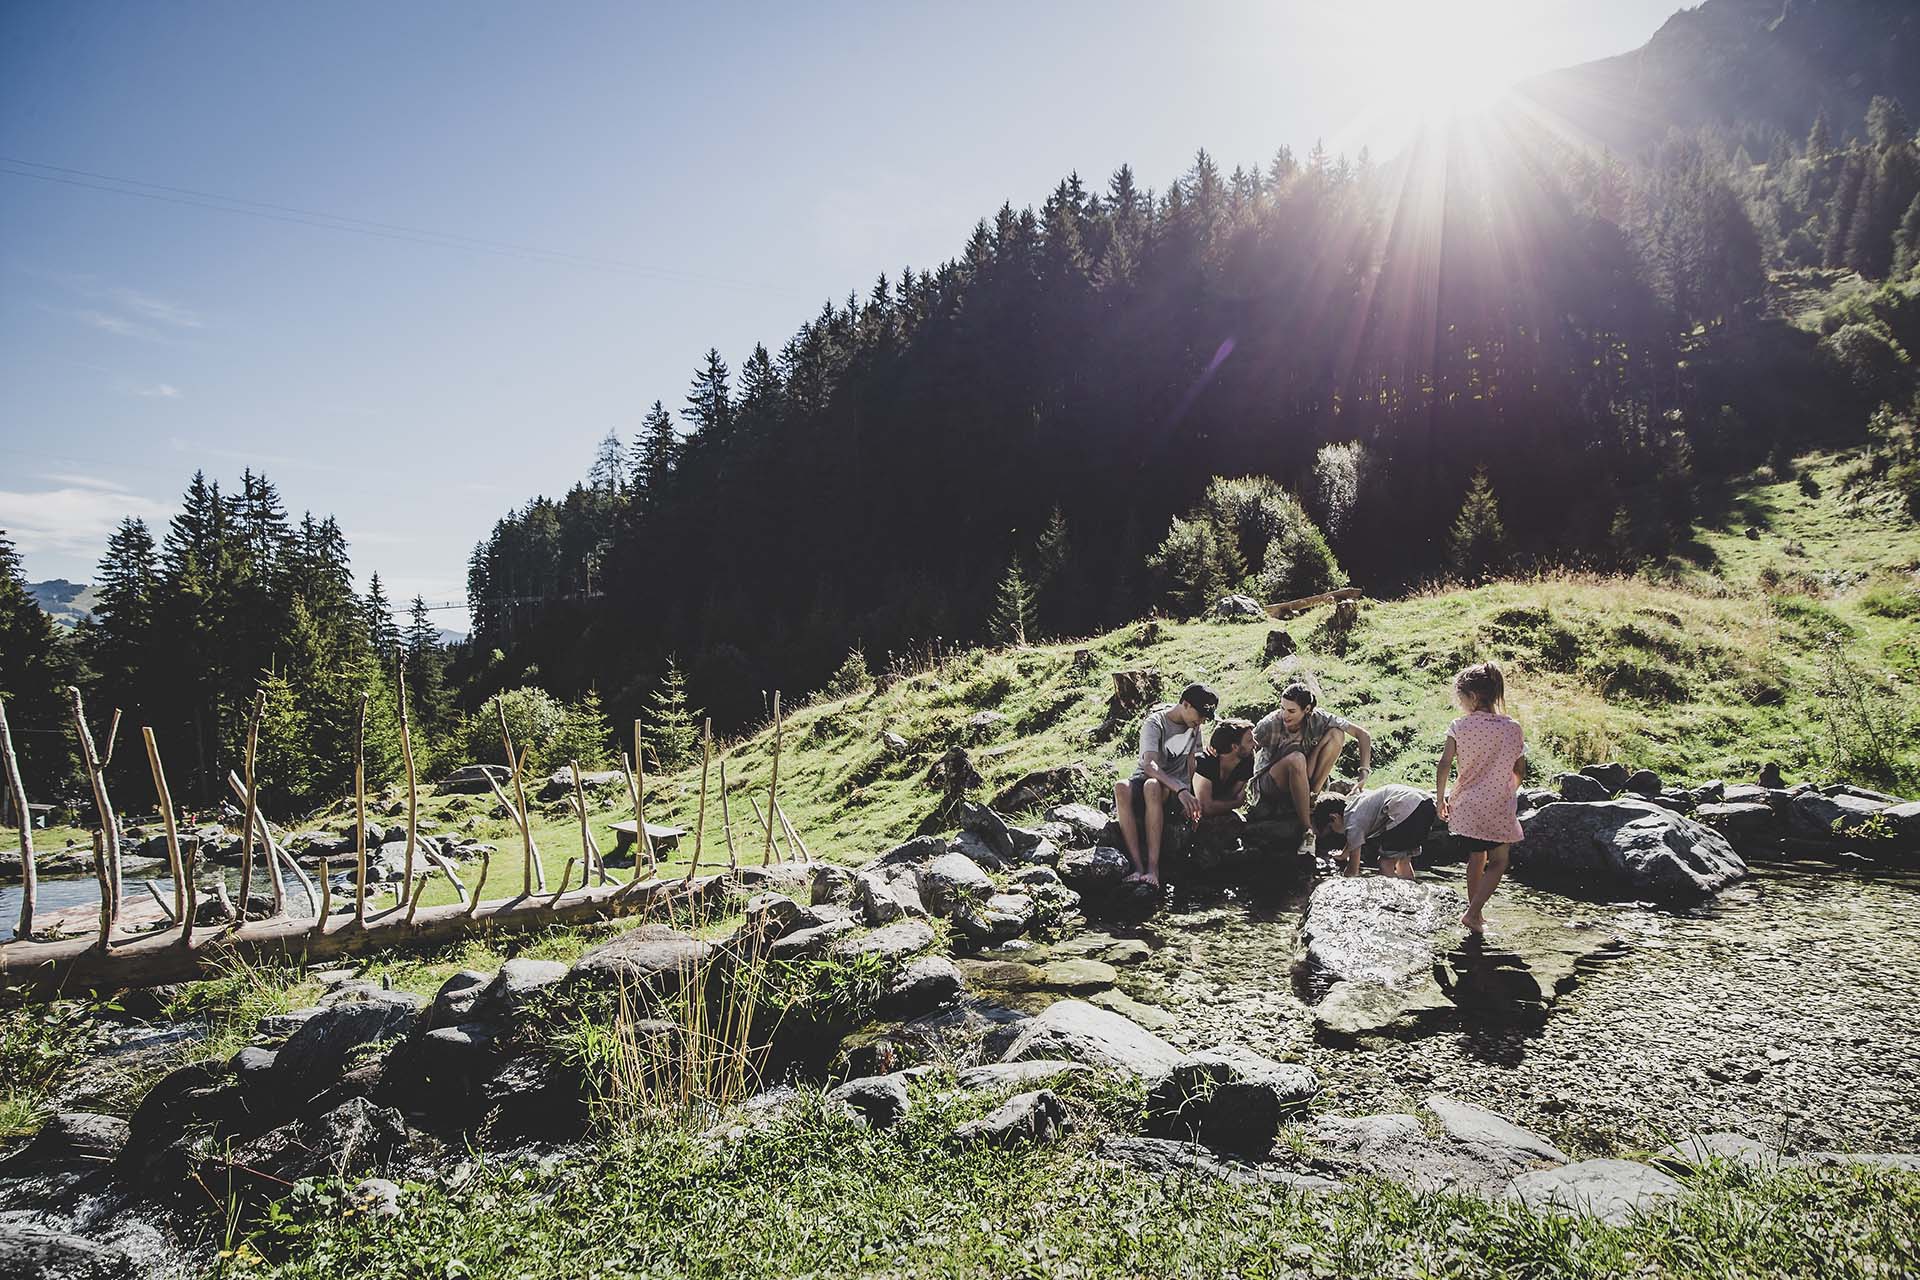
(114,324)
(159,310)
(73,522)
(160,391)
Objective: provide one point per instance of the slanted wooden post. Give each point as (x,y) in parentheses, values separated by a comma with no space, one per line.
(193,892)
(174,866)
(588,850)
(534,872)
(106,888)
(639,821)
(561,892)
(16,789)
(326,894)
(253,815)
(726,818)
(793,834)
(640,801)
(473,903)
(97,775)
(758,816)
(413,782)
(773,785)
(700,823)
(154,889)
(277,856)
(360,815)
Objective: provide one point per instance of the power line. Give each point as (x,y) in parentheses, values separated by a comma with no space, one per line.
(265,210)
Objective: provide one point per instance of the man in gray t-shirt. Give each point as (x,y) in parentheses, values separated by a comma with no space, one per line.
(1170,740)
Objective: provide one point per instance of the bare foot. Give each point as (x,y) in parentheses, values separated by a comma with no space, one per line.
(1152,880)
(1474,923)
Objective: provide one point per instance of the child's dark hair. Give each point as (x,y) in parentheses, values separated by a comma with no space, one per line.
(1226,734)
(1325,810)
(1481,687)
(1300,696)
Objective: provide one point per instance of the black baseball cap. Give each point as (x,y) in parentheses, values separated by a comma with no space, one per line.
(1201,698)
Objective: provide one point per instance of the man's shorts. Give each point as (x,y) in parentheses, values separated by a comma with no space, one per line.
(1405,838)
(1138,786)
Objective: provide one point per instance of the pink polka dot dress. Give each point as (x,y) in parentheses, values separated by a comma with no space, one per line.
(1483,804)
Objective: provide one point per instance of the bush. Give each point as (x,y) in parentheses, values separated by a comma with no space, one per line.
(851,678)
(1867,357)
(536,720)
(1243,522)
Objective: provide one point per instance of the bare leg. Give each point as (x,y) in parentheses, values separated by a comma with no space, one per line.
(1320,768)
(1399,868)
(1156,797)
(1129,828)
(1291,772)
(1476,864)
(1489,881)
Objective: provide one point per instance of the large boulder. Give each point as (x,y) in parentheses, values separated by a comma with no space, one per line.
(1477,1126)
(1579,787)
(1086,822)
(1750,826)
(1237,608)
(318,1053)
(992,829)
(559,784)
(1229,1098)
(1813,816)
(1611,776)
(892,943)
(652,962)
(471,780)
(1903,825)
(1399,1147)
(952,882)
(1371,944)
(879,1101)
(1625,849)
(69,1138)
(516,988)
(353,1137)
(834,886)
(1082,1032)
(812,942)
(1614,1191)
(922,985)
(1041,786)
(1094,870)
(453,1003)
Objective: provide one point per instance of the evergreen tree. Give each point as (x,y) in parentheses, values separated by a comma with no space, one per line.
(1052,583)
(1906,243)
(121,641)
(1887,124)
(608,474)
(709,412)
(1012,608)
(1820,137)
(1477,545)
(584,735)
(762,396)
(383,633)
(35,668)
(657,454)
(671,728)
(427,673)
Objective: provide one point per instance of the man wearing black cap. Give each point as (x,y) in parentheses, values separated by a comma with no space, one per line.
(1170,741)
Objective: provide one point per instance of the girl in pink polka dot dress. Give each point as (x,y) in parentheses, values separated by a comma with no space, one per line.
(1483,814)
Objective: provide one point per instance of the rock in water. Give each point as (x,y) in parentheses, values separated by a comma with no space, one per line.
(1749,826)
(1813,816)
(1081,1032)
(1610,1190)
(1626,849)
(1373,942)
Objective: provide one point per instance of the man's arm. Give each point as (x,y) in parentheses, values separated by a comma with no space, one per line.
(1152,736)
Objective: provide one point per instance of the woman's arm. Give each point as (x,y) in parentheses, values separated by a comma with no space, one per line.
(1366,751)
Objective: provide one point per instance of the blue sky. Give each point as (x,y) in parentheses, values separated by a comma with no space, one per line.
(701,176)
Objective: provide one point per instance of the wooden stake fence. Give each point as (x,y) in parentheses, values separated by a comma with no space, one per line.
(15,788)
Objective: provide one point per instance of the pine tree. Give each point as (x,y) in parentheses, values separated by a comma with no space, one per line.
(1052,585)
(672,727)
(427,672)
(1012,608)
(121,641)
(35,669)
(608,474)
(584,734)
(1887,124)
(709,407)
(383,634)
(762,397)
(1477,544)
(657,454)
(1906,241)
(1820,136)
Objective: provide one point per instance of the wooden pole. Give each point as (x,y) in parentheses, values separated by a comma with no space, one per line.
(419,891)
(193,893)
(253,813)
(106,888)
(154,889)
(639,822)
(700,823)
(112,828)
(29,883)
(326,894)
(360,815)
(406,752)
(793,834)
(640,801)
(274,850)
(96,774)
(773,786)
(586,836)
(220,894)
(533,871)
(174,864)
(758,816)
(473,903)
(726,818)
(561,892)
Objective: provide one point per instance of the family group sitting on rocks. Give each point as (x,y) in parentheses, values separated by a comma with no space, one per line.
(1286,760)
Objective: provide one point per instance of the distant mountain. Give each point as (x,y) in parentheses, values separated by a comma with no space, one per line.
(452,637)
(68,603)
(1764,65)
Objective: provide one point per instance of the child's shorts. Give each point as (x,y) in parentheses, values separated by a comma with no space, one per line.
(1468,844)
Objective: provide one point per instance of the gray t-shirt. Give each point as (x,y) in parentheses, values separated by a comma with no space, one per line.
(1167,744)
(1373,813)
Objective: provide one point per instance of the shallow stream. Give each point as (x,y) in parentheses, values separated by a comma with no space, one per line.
(1788,1009)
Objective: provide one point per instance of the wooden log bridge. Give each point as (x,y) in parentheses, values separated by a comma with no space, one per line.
(71,966)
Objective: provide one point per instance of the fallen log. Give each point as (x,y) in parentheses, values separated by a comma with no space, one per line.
(75,965)
(1287,608)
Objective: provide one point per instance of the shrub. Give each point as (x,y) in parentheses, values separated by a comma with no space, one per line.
(535,721)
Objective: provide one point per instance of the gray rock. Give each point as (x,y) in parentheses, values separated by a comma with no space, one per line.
(1749,826)
(922,985)
(1037,1116)
(1398,1147)
(316,1054)
(1465,1122)
(1644,782)
(69,1138)
(1094,870)
(970,1030)
(880,1101)
(1614,1191)
(970,844)
(1860,793)
(1087,822)
(559,784)
(990,827)
(1903,820)
(1229,1098)
(1280,644)
(44,1254)
(772,916)
(378,1197)
(915,852)
(1036,876)
(777,875)
(876,898)
(1373,943)
(1237,608)
(517,985)
(1735,1148)
(1082,1032)
(1001,1075)
(1045,853)
(1169,1158)
(278,1026)
(1611,776)
(892,943)
(952,882)
(651,961)
(351,1138)
(1901,1161)
(1626,848)
(834,886)
(1813,816)
(1002,917)
(1042,785)
(809,944)
(1578,786)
